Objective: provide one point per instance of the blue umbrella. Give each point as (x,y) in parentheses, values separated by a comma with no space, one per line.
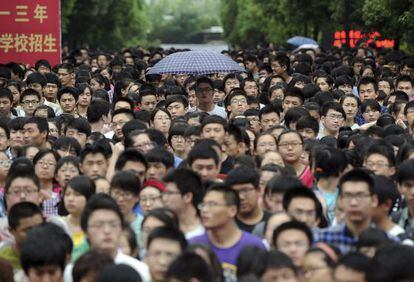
(300,40)
(195,63)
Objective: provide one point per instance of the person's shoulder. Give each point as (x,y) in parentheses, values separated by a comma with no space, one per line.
(200,239)
(250,239)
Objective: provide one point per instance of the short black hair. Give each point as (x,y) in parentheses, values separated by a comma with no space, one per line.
(94,149)
(357,175)
(97,109)
(214,119)
(230,196)
(118,273)
(188,266)
(172,234)
(6,93)
(295,225)
(302,192)
(20,211)
(67,143)
(54,244)
(90,262)
(202,152)
(68,90)
(126,181)
(125,112)
(243,175)
(368,80)
(307,121)
(81,124)
(187,181)
(176,98)
(355,261)
(40,122)
(405,171)
(280,184)
(160,155)
(335,106)
(277,260)
(130,155)
(295,92)
(372,104)
(96,202)
(328,161)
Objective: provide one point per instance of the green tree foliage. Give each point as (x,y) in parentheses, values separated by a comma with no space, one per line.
(108,24)
(182,21)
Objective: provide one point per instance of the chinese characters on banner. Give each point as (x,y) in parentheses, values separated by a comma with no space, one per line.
(30,31)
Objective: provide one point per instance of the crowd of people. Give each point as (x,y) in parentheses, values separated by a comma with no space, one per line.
(298,169)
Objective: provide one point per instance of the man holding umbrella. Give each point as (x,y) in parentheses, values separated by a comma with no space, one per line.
(204,89)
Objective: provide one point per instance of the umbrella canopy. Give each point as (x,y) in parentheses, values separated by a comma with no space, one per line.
(195,63)
(301,40)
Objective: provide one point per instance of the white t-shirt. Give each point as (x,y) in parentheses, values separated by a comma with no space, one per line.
(216,111)
(120,258)
(196,232)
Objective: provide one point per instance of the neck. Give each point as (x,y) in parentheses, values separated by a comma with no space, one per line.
(180,154)
(82,110)
(46,184)
(385,223)
(252,218)
(74,219)
(330,133)
(130,217)
(350,121)
(206,107)
(298,166)
(357,227)
(225,236)
(188,220)
(328,184)
(97,126)
(51,100)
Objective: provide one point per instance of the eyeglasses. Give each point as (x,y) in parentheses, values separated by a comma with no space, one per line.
(18,192)
(333,117)
(150,199)
(291,144)
(239,101)
(177,137)
(262,145)
(161,118)
(204,90)
(45,163)
(297,244)
(30,102)
(170,193)
(5,162)
(376,164)
(359,197)
(300,213)
(210,205)
(119,194)
(102,224)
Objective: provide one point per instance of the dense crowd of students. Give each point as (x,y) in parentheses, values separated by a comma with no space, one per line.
(299,169)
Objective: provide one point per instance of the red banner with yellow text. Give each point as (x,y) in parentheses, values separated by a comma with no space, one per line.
(30,31)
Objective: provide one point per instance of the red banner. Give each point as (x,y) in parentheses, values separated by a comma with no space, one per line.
(30,31)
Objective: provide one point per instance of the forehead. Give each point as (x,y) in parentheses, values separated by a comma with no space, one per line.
(67,96)
(367,86)
(105,214)
(94,157)
(266,137)
(120,117)
(332,111)
(291,234)
(30,125)
(179,103)
(289,136)
(204,162)
(22,181)
(32,96)
(214,195)
(213,126)
(149,97)
(292,98)
(355,186)
(270,115)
